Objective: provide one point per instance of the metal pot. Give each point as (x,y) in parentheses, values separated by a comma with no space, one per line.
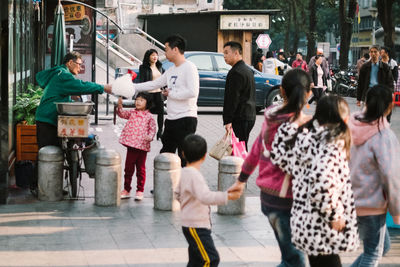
(74,108)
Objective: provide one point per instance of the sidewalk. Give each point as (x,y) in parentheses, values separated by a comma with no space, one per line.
(78,233)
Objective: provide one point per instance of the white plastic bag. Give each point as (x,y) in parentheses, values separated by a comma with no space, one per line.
(123,86)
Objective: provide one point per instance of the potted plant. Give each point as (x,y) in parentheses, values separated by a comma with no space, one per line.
(24,114)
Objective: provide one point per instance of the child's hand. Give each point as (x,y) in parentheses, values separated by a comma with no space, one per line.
(120,102)
(338,225)
(233,195)
(237,186)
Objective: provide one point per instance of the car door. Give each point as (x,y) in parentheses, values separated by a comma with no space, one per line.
(208,95)
(222,70)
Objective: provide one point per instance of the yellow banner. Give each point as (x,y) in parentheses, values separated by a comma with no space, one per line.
(74,12)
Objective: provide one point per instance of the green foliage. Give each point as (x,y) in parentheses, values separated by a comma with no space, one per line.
(26,104)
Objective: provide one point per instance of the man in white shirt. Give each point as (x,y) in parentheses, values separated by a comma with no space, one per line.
(182,82)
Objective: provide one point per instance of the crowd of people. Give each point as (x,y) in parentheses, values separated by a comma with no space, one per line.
(326,180)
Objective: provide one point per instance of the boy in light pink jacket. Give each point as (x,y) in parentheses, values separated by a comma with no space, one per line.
(195,197)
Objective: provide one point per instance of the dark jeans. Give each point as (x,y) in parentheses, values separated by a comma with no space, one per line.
(280,223)
(46,135)
(202,251)
(174,133)
(317,94)
(332,260)
(242,129)
(135,158)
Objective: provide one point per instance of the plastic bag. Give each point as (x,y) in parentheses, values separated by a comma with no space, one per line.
(222,148)
(123,86)
(238,147)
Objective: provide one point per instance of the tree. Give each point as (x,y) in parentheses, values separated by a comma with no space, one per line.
(346,28)
(385,16)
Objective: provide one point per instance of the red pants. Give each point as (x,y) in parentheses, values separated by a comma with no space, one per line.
(135,157)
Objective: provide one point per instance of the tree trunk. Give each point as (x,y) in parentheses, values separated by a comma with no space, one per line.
(346,28)
(386,19)
(287,29)
(311,33)
(296,27)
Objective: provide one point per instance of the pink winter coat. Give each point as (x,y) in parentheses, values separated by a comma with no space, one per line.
(139,130)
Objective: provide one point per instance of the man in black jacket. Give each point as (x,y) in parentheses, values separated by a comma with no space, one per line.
(372,73)
(239,111)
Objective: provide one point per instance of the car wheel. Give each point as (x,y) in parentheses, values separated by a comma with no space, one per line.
(274,98)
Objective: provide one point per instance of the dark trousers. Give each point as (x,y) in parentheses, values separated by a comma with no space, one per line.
(202,251)
(331,260)
(174,133)
(46,135)
(317,94)
(135,158)
(242,129)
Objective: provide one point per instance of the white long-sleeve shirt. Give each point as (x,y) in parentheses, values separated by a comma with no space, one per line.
(183,84)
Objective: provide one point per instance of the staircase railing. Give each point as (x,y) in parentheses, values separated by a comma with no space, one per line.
(150,38)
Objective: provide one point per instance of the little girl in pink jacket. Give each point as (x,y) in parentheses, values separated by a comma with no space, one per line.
(137,134)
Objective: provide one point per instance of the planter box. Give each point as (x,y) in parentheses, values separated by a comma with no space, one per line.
(27,147)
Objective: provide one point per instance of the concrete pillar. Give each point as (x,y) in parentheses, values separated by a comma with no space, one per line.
(167,172)
(108,178)
(50,173)
(228,171)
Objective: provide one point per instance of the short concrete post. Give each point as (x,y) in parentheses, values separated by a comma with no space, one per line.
(108,178)
(167,172)
(229,170)
(50,173)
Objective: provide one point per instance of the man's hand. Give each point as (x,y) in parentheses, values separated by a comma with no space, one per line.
(338,225)
(228,127)
(238,186)
(358,103)
(108,88)
(165,92)
(120,102)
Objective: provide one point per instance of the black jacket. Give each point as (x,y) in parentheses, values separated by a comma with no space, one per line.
(314,76)
(145,73)
(384,77)
(240,94)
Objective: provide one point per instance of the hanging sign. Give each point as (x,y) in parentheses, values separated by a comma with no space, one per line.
(74,12)
(244,22)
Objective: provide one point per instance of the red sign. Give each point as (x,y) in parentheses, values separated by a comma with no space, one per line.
(263,41)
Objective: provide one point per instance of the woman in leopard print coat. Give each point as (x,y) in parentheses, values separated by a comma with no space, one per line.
(323,218)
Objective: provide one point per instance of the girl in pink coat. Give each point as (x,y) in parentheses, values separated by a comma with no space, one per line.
(137,134)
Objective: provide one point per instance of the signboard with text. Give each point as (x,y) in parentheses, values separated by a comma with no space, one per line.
(244,22)
(73,126)
(74,12)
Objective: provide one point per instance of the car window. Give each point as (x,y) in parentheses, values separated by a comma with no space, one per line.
(222,66)
(202,62)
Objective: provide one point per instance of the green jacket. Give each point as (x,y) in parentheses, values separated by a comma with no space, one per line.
(59,84)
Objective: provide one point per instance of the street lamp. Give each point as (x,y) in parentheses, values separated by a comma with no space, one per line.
(374,14)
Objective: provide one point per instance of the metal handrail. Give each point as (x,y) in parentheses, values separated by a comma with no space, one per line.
(150,37)
(120,49)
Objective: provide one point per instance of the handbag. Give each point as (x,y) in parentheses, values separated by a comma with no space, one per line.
(238,147)
(222,147)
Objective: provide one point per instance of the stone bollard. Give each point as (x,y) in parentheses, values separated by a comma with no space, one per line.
(167,172)
(228,172)
(108,178)
(50,173)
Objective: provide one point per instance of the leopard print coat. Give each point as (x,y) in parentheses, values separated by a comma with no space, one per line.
(321,190)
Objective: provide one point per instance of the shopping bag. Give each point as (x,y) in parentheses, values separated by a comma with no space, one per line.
(238,147)
(123,86)
(222,148)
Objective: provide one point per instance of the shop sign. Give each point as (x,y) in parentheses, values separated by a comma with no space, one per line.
(73,126)
(244,22)
(74,12)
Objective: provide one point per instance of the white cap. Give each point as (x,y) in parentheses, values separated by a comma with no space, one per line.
(320,50)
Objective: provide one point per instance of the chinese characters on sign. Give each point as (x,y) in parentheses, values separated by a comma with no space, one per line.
(74,12)
(244,22)
(73,126)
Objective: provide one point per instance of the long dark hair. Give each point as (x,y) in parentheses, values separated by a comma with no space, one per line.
(295,83)
(146,58)
(330,112)
(378,100)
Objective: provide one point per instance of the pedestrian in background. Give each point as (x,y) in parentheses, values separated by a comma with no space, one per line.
(195,198)
(272,65)
(239,112)
(319,80)
(276,193)
(137,134)
(361,62)
(150,70)
(323,218)
(375,174)
(324,63)
(258,59)
(385,57)
(299,62)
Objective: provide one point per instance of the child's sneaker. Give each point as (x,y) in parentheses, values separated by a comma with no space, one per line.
(125,194)
(139,195)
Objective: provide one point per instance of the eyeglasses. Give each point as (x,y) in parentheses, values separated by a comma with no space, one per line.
(79,64)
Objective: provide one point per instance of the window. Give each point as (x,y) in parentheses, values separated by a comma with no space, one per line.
(202,62)
(222,66)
